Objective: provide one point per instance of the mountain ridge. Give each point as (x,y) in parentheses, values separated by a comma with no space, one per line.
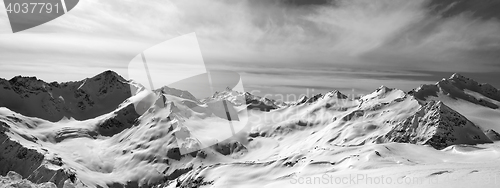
(457,87)
(176,136)
(88,98)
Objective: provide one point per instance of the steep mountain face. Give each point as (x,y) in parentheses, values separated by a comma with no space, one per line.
(478,102)
(80,100)
(336,94)
(28,162)
(437,125)
(120,120)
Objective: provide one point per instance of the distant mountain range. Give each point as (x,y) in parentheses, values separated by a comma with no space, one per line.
(89,132)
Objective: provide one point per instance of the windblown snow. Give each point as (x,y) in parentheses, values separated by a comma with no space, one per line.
(99,133)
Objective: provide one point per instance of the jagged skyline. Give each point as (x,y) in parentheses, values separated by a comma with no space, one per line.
(278,46)
(250,93)
(280,97)
(449,126)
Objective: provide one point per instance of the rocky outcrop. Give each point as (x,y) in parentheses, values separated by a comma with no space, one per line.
(260,103)
(336,94)
(492,135)
(229,148)
(13,179)
(29,163)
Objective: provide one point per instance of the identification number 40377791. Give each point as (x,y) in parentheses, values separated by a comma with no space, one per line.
(32,8)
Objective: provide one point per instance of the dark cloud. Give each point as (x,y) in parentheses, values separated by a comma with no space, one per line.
(483,9)
(307,2)
(293,2)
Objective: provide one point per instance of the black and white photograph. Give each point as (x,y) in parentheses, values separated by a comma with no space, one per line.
(250,93)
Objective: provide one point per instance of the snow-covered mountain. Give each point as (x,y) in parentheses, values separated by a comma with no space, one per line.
(476,101)
(179,141)
(335,94)
(80,100)
(437,125)
(246,98)
(460,87)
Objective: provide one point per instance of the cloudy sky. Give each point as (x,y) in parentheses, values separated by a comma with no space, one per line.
(278,46)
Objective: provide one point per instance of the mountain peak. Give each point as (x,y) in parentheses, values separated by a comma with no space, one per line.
(383,90)
(336,94)
(461,79)
(108,74)
(457,75)
(24,78)
(439,126)
(23,84)
(382,87)
(26,81)
(385,93)
(460,87)
(80,100)
(177,92)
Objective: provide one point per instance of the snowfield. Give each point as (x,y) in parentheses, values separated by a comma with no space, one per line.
(76,135)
